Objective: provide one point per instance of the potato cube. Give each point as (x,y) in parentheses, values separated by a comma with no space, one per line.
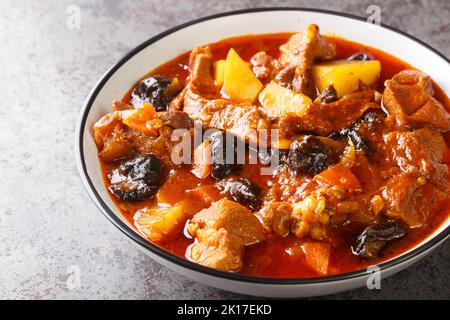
(159,223)
(239,82)
(344,75)
(277,100)
(219,71)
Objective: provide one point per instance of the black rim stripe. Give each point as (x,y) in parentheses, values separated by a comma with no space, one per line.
(132,234)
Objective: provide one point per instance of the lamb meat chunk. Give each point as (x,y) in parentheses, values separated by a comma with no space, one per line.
(201,79)
(312,120)
(285,77)
(104,127)
(176,119)
(234,217)
(419,153)
(345,111)
(374,238)
(409,98)
(218,249)
(115,147)
(363,132)
(119,105)
(401,195)
(301,51)
(109,138)
(239,119)
(410,201)
(201,102)
(324,119)
(116,141)
(303,82)
(276,217)
(305,47)
(264,66)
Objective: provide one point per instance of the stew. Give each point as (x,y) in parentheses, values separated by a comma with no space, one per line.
(281,155)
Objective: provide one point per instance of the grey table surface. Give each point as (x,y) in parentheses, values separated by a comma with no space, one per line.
(51,234)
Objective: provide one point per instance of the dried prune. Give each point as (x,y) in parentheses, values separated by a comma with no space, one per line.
(157,90)
(309,156)
(328,95)
(372,118)
(374,238)
(360,143)
(220,167)
(360,56)
(357,133)
(245,192)
(272,156)
(137,179)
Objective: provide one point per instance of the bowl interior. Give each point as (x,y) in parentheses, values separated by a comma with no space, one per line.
(154,53)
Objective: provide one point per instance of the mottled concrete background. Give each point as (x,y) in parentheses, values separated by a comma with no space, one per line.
(50,231)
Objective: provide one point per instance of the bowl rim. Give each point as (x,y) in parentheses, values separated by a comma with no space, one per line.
(153,248)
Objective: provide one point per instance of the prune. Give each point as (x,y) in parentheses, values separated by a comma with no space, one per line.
(245,192)
(272,156)
(137,179)
(360,56)
(368,122)
(375,237)
(220,168)
(328,95)
(373,118)
(157,90)
(309,156)
(360,143)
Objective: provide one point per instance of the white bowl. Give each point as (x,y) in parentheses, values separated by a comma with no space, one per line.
(172,43)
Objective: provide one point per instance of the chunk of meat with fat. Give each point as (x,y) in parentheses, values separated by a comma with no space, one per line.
(410,201)
(300,52)
(116,141)
(176,119)
(305,47)
(409,98)
(419,153)
(222,231)
(200,102)
(218,249)
(264,66)
(109,139)
(234,217)
(276,217)
(324,119)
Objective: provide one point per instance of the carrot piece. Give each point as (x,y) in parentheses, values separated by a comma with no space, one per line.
(317,256)
(202,160)
(339,176)
(141,119)
(207,194)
